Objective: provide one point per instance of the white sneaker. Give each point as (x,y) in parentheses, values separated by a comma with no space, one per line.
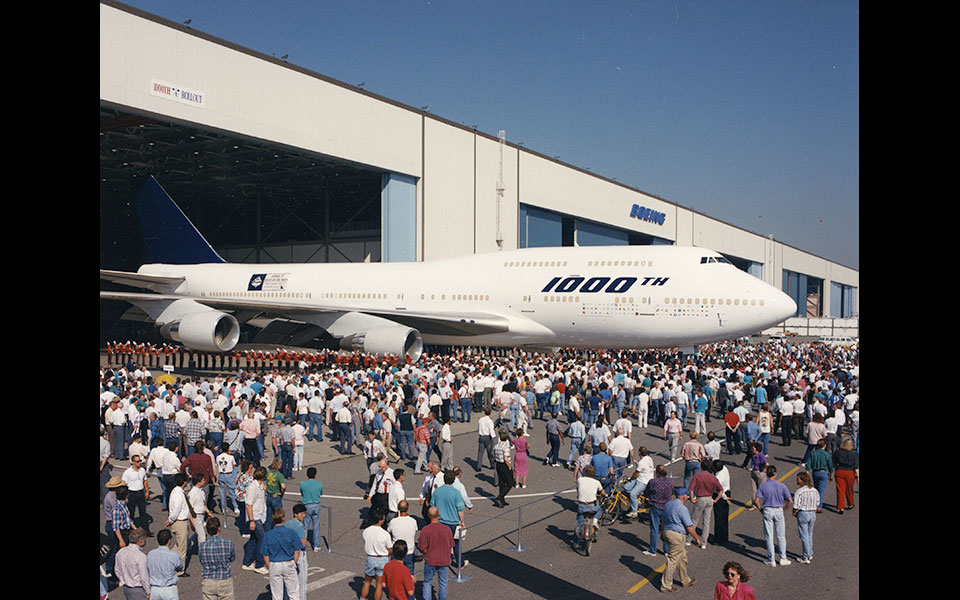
(770,563)
(648,553)
(247,567)
(262,571)
(784,562)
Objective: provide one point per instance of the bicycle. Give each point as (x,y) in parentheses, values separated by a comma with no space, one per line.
(617,504)
(585,534)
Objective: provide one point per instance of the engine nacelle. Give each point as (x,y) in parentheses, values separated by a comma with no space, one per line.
(200,327)
(397,340)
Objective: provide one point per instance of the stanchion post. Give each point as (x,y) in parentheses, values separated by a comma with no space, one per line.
(329,530)
(519,547)
(460,577)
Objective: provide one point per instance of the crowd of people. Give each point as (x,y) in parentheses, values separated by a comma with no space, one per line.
(208,439)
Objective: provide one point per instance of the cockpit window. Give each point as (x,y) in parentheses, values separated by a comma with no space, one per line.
(714,259)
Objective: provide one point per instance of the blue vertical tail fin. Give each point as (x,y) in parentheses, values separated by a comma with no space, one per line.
(169,235)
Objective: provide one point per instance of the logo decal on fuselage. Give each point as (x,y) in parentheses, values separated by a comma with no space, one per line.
(619,285)
(268,282)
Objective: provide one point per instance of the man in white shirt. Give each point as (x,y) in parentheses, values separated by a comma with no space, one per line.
(712,447)
(227,480)
(378,496)
(589,490)
(139,492)
(179,519)
(316,416)
(344,419)
(643,408)
(573,407)
(404,527)
(486,431)
(396,494)
(621,451)
(376,545)
(256,507)
(446,445)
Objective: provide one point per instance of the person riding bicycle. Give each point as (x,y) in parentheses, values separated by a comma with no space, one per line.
(589,492)
(603,467)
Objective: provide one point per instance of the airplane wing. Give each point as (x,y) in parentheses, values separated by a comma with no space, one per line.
(426,323)
(157,283)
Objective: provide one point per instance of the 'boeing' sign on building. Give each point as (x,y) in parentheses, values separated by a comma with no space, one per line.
(647,214)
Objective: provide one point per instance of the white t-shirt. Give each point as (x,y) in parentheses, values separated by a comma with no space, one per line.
(587,490)
(404,528)
(226,463)
(135,478)
(299,431)
(376,541)
(620,447)
(646,469)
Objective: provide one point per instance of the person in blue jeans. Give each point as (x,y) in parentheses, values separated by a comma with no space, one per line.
(311,494)
(436,543)
(659,492)
(465,407)
(256,507)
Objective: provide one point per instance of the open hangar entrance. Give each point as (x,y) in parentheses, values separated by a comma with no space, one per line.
(253,201)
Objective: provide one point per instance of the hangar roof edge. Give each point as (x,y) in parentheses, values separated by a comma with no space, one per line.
(310,73)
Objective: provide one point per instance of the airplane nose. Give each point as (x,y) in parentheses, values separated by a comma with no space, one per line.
(783,307)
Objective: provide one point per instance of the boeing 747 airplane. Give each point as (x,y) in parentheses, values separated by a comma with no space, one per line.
(586,297)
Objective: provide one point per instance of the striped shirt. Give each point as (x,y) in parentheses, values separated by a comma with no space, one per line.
(501,452)
(693,450)
(806,498)
(216,554)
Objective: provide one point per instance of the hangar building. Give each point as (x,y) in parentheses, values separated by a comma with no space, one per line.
(276,163)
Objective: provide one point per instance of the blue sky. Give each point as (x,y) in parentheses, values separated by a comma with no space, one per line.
(747,111)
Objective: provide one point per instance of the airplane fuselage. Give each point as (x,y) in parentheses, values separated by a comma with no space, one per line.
(612,297)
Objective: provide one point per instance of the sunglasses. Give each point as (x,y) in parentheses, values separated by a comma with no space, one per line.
(733,574)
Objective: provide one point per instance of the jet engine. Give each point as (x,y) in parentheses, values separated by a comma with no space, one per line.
(397,340)
(200,327)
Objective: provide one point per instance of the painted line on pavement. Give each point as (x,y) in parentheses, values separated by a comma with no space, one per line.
(319,583)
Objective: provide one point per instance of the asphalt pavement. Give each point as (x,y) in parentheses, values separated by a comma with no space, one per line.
(524,550)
